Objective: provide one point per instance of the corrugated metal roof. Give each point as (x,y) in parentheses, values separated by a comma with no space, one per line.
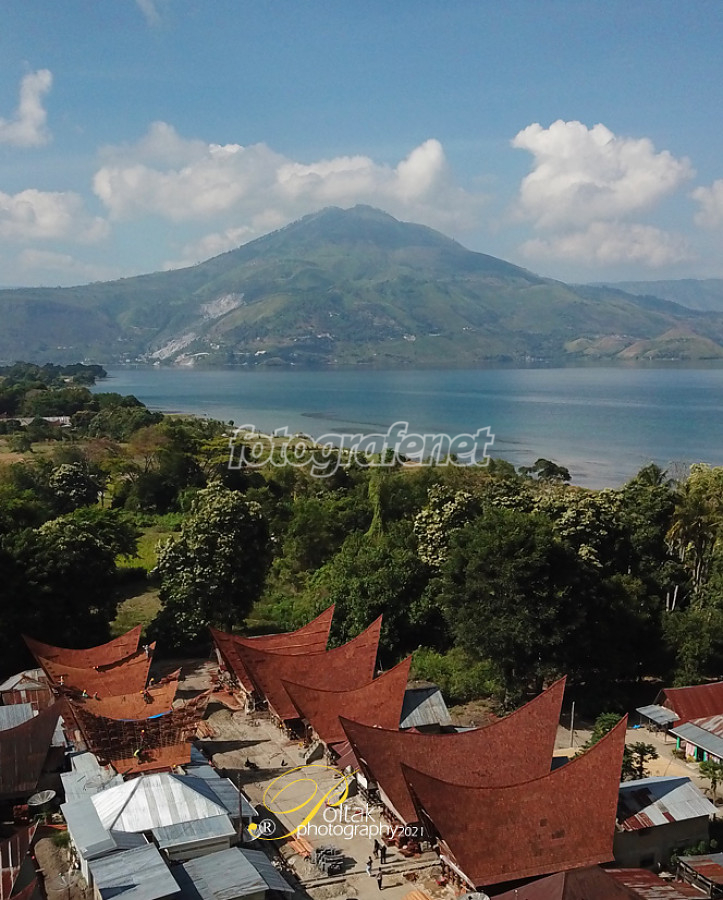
(709,866)
(30,679)
(658,714)
(154,801)
(193,832)
(10,716)
(139,874)
(423,705)
(23,751)
(659,801)
(78,785)
(714,724)
(89,835)
(224,790)
(649,886)
(230,874)
(702,738)
(694,701)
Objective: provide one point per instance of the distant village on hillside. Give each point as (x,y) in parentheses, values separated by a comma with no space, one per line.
(281,767)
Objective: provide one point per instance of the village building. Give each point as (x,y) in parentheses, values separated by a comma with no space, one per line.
(516,748)
(676,706)
(108,654)
(136,874)
(424,708)
(657,816)
(235,874)
(17,872)
(25,752)
(563,820)
(701,739)
(702,872)
(31,686)
(594,883)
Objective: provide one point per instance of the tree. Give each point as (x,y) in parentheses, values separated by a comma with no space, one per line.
(635,759)
(445,512)
(73,486)
(546,470)
(509,590)
(212,573)
(712,772)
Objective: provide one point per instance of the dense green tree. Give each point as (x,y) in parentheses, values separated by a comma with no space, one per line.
(509,591)
(212,573)
(72,486)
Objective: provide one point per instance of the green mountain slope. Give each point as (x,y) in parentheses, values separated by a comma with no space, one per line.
(702,294)
(345,287)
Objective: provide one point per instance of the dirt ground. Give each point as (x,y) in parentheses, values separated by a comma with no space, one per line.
(61,882)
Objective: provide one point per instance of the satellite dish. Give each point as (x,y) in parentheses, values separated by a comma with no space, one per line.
(41,798)
(474,895)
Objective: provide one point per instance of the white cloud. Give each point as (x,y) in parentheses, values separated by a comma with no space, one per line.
(149,10)
(49,265)
(27,127)
(258,189)
(48,215)
(607,243)
(583,175)
(711,205)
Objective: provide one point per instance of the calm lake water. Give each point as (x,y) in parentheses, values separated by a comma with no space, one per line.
(602,423)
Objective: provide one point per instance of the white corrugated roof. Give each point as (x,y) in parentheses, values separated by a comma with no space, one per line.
(15,714)
(660,801)
(155,801)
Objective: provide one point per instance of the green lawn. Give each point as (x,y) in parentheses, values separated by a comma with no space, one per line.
(138,606)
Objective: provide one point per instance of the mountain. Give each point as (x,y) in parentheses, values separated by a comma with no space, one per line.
(348,287)
(702,294)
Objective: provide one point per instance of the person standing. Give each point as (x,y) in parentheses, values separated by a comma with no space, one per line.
(376,849)
(379,879)
(383,853)
(369,867)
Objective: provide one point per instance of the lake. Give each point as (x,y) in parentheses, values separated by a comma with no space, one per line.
(604,424)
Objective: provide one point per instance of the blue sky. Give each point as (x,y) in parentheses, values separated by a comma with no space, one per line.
(580,139)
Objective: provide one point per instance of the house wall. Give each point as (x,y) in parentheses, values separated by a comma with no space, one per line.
(197,848)
(650,847)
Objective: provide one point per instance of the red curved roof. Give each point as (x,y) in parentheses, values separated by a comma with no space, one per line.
(102,655)
(378,703)
(564,820)
(129,675)
(344,668)
(23,751)
(154,701)
(310,638)
(695,702)
(518,747)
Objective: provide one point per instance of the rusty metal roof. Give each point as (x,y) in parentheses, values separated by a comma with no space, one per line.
(646,885)
(589,883)
(659,801)
(694,702)
(709,866)
(23,751)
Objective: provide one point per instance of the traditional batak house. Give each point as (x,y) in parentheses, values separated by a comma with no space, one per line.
(377,704)
(312,638)
(594,883)
(129,675)
(347,667)
(114,651)
(516,748)
(502,836)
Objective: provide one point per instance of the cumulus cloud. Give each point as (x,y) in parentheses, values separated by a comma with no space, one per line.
(710,198)
(46,215)
(605,243)
(582,175)
(258,189)
(27,127)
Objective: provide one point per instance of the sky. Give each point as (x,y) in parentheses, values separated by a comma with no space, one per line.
(582,140)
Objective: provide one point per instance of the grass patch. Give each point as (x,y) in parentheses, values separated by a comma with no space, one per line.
(146,556)
(138,605)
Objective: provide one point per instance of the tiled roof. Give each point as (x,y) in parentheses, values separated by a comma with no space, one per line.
(589,883)
(518,747)
(23,751)
(378,703)
(311,638)
(102,655)
(563,820)
(344,668)
(695,702)
(659,801)
(154,701)
(129,675)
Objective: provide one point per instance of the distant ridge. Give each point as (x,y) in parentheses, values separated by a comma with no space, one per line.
(352,287)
